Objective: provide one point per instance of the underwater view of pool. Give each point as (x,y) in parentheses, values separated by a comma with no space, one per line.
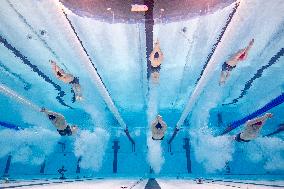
(141,94)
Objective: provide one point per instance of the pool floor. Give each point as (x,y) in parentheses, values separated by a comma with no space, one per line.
(147,183)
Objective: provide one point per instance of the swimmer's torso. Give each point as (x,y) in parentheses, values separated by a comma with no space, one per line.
(251,132)
(59,122)
(66,78)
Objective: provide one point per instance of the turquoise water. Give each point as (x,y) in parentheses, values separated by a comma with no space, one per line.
(188,81)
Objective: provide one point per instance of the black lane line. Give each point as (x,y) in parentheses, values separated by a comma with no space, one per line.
(27,85)
(257,184)
(24,20)
(239,182)
(78,38)
(258,74)
(35,69)
(152,184)
(218,40)
(149,26)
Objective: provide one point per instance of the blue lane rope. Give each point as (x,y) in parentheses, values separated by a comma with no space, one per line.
(275,102)
(10,126)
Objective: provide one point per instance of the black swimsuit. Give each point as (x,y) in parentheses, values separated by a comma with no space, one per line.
(227,67)
(75,81)
(51,117)
(156,55)
(157,139)
(59,74)
(155,69)
(159,126)
(239,139)
(67,131)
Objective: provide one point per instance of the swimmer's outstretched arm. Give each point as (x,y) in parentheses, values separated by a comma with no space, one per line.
(47,112)
(245,50)
(249,45)
(151,58)
(164,128)
(258,119)
(236,56)
(154,123)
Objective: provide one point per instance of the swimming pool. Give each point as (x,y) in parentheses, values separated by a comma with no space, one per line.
(107,47)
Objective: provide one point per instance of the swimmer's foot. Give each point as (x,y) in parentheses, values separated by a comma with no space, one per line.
(221,83)
(79,98)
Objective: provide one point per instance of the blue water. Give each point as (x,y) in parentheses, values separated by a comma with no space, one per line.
(190,73)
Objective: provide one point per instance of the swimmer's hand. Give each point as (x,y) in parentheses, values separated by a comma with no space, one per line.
(79,98)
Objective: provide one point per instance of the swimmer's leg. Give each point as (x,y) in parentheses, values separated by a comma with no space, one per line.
(77,91)
(222,78)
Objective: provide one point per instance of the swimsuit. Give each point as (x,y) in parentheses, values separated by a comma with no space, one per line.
(75,81)
(242,56)
(159,126)
(155,69)
(67,131)
(157,139)
(257,123)
(227,67)
(239,139)
(51,117)
(59,74)
(156,55)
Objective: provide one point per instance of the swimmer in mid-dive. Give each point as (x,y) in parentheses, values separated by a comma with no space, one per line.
(159,128)
(229,65)
(199,181)
(59,122)
(67,78)
(156,58)
(252,128)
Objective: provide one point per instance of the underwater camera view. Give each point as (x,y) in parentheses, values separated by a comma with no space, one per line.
(142,94)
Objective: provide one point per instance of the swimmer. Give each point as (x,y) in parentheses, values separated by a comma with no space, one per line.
(59,122)
(229,65)
(159,128)
(67,78)
(199,181)
(156,56)
(252,128)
